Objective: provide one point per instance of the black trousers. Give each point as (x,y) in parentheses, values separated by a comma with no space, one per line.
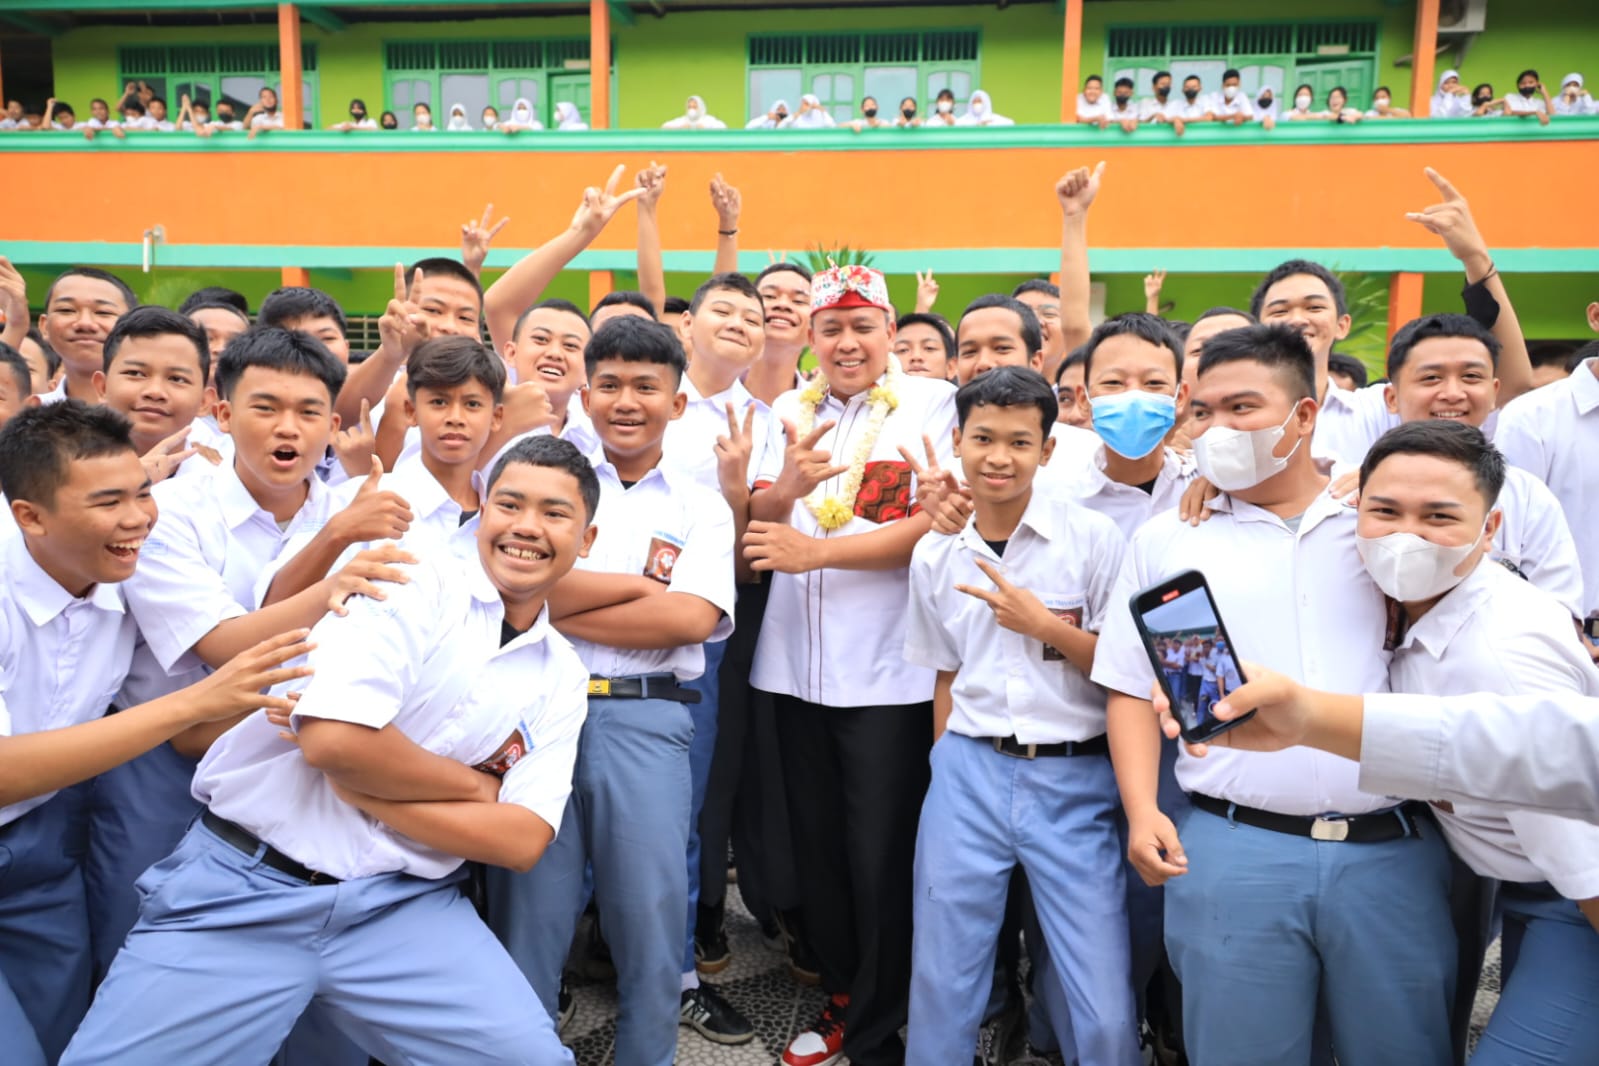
(856,777)
(744,799)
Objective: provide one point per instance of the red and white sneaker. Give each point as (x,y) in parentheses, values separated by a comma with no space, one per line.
(823,1043)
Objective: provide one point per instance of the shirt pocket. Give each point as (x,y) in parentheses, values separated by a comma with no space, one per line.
(885,494)
(1070,606)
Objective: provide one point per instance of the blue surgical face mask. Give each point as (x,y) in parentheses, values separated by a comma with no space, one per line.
(1135,422)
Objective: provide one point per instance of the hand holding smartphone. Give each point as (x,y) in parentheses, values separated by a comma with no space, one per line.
(1193,657)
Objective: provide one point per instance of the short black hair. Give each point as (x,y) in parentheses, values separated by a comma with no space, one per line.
(775,268)
(52,361)
(1124,83)
(1093,77)
(132,103)
(1581,355)
(357,100)
(629,297)
(1140,324)
(939,324)
(1427,327)
(215,294)
(1349,367)
(1292,268)
(1383,89)
(12,359)
(39,444)
(1445,439)
(159,100)
(1528,73)
(64,108)
(1219,310)
(1076,357)
(194,309)
(1159,74)
(557,454)
(1193,77)
(153,321)
(99,100)
(1481,86)
(97,274)
(1032,333)
(1279,348)
(1009,386)
(554,303)
(1231,72)
(275,348)
(438,265)
(1048,288)
(295,302)
(674,305)
(634,340)
(729,282)
(448,362)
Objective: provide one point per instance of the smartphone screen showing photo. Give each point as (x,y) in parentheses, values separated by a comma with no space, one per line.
(1196,663)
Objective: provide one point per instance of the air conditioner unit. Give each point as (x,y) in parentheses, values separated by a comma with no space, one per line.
(1462,16)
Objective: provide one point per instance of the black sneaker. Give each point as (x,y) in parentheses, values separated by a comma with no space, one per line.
(596,964)
(772,935)
(707,1013)
(996,1038)
(565,1008)
(802,965)
(712,955)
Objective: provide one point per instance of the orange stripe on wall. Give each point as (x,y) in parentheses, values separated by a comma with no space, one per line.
(1193,196)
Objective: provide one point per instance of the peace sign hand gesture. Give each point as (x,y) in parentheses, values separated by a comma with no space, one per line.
(1016,609)
(403,325)
(926,292)
(938,492)
(733,454)
(476,236)
(599,206)
(804,465)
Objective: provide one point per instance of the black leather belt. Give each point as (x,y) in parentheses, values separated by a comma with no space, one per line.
(1017,750)
(1375,828)
(241,838)
(643,687)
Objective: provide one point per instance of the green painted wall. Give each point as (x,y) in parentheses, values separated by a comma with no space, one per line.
(1554,36)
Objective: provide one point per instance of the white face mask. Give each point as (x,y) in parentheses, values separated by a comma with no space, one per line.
(979,108)
(1409,568)
(945,107)
(1238,459)
(1302,102)
(695,111)
(1230,91)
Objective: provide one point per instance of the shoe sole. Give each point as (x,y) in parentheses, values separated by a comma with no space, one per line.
(713,965)
(820,1062)
(807,978)
(564,1019)
(717,1038)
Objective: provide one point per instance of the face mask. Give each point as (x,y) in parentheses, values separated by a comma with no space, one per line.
(358,115)
(1528,90)
(870,112)
(1381,103)
(1264,101)
(946,106)
(1302,101)
(1409,568)
(908,112)
(1190,93)
(1230,91)
(1123,99)
(695,112)
(1133,423)
(979,108)
(1480,100)
(1238,459)
(390,124)
(781,115)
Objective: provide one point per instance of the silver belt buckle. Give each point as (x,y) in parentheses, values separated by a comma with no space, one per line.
(1334,829)
(1029,751)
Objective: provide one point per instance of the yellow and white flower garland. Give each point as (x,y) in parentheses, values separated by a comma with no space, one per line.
(835,512)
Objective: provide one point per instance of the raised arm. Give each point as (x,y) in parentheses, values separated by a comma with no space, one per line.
(476,236)
(725,198)
(1076,192)
(651,271)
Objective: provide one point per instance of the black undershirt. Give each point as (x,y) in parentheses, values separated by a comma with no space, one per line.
(466,516)
(1148,487)
(997,546)
(628,484)
(508,632)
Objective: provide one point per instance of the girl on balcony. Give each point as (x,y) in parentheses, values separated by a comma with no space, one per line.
(694,117)
(980,112)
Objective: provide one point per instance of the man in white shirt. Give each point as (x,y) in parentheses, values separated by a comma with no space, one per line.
(1232,103)
(1350,907)
(1123,111)
(658,584)
(834,515)
(1196,105)
(441,724)
(1552,433)
(1161,108)
(1093,106)
(80,307)
(1530,100)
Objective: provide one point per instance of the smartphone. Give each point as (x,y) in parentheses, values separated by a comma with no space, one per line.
(1189,648)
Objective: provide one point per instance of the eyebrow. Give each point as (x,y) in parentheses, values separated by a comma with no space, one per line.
(274,398)
(1447,505)
(1472,363)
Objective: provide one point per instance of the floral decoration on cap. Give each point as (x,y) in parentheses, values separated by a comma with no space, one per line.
(849,286)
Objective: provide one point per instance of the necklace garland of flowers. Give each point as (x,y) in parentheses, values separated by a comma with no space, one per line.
(834,512)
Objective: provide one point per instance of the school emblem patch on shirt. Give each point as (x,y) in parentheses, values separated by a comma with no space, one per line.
(660,560)
(516,748)
(1067,608)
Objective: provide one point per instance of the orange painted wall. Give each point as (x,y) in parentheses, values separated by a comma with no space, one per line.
(1283,195)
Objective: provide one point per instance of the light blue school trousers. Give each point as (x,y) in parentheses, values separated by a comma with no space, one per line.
(1548,1013)
(1055,816)
(628,817)
(701,749)
(1264,924)
(228,952)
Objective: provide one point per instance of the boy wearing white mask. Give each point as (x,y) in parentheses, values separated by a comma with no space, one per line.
(1426,529)
(1346,905)
(943,110)
(1232,103)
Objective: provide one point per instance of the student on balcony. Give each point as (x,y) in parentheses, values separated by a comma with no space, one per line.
(694,117)
(1573,98)
(422,119)
(812,115)
(1093,106)
(943,110)
(1338,109)
(980,112)
(568,117)
(1161,108)
(1195,106)
(1382,105)
(869,116)
(458,120)
(1123,111)
(1484,104)
(264,113)
(907,114)
(358,120)
(1451,100)
(772,119)
(1530,100)
(522,117)
(1304,102)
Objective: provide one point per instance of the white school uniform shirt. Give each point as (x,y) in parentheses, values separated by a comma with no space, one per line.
(835,637)
(1150,109)
(1128,505)
(690,444)
(1495,633)
(1240,104)
(1533,536)
(55,395)
(1007,684)
(1198,109)
(428,661)
(264,121)
(1349,423)
(143,122)
(1075,448)
(1516,104)
(675,530)
(1298,603)
(198,569)
(62,658)
(435,519)
(1098,109)
(579,431)
(1118,113)
(1553,433)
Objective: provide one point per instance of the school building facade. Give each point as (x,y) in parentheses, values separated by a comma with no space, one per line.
(1214,208)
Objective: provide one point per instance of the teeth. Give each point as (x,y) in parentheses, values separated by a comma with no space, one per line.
(521,553)
(128,545)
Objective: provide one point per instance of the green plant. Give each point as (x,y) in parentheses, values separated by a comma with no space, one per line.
(821,257)
(1366,296)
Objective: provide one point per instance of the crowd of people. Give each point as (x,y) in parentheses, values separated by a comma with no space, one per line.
(140,108)
(349,683)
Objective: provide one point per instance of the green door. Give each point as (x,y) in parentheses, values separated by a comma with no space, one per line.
(1355,75)
(573,88)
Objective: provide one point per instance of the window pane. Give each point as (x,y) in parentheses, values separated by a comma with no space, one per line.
(242,90)
(836,91)
(768,86)
(470,90)
(889,85)
(958,82)
(1209,72)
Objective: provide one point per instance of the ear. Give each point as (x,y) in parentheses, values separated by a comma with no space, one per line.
(29,517)
(1036,361)
(499,417)
(583,391)
(225,416)
(1183,393)
(208,399)
(1049,450)
(335,421)
(679,405)
(686,323)
(1593,316)
(1085,408)
(32,401)
(1344,324)
(1496,518)
(410,411)
(955,436)
(587,542)
(1391,398)
(98,379)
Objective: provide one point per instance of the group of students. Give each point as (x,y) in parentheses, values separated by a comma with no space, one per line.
(522,118)
(813,114)
(542,625)
(1530,100)
(141,109)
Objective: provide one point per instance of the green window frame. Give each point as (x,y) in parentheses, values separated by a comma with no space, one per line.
(479,73)
(842,68)
(212,72)
(1278,55)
